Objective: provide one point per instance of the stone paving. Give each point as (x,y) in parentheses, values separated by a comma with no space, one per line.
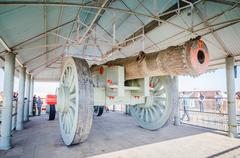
(115,135)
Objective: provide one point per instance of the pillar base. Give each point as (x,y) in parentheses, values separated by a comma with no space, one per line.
(19,128)
(233,135)
(232,132)
(5,143)
(26,120)
(176,121)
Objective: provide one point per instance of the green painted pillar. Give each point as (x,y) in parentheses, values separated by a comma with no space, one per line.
(21,91)
(177,112)
(27,94)
(31,96)
(232,120)
(6,124)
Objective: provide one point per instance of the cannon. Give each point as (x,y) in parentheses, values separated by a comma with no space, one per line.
(144,82)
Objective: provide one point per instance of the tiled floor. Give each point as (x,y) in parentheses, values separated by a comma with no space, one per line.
(116,135)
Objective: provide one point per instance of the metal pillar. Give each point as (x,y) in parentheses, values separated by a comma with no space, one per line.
(177,112)
(31,96)
(7,101)
(232,122)
(20,107)
(27,93)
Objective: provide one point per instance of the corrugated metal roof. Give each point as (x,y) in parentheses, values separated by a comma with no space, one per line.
(42,32)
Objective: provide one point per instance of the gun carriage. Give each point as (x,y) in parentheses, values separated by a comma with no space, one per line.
(145,82)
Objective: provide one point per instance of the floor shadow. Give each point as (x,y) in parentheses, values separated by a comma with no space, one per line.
(225,152)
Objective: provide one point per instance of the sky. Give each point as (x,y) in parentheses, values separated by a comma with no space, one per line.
(209,81)
(40,88)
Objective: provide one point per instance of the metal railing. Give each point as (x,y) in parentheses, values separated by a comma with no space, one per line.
(14,115)
(211,117)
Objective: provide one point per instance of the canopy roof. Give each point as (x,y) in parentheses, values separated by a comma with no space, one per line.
(43,32)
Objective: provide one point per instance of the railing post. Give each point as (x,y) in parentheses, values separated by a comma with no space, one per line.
(6,125)
(232,122)
(21,91)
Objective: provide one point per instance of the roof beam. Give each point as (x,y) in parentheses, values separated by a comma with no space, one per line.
(81,5)
(55,59)
(40,35)
(45,53)
(93,21)
(226,2)
(9,50)
(214,34)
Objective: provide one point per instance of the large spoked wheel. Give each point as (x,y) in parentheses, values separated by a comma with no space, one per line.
(158,108)
(75,101)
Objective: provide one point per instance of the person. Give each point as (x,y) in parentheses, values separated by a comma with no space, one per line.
(186,105)
(39,105)
(106,108)
(34,105)
(201,102)
(219,101)
(15,96)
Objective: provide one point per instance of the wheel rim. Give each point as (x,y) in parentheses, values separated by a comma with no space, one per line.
(67,103)
(154,113)
(75,101)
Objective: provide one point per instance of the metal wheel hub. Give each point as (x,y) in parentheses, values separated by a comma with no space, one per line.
(148,102)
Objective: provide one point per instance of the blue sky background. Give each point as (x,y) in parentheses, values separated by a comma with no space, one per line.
(210,81)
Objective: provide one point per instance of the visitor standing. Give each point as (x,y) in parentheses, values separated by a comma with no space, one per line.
(201,102)
(219,101)
(39,105)
(186,105)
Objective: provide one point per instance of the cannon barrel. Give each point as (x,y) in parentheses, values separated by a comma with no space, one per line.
(191,58)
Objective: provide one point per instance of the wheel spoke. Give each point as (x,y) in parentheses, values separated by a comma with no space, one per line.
(71,115)
(142,114)
(64,122)
(66,77)
(160,92)
(138,110)
(68,123)
(158,109)
(72,87)
(72,104)
(151,115)
(72,96)
(70,78)
(160,98)
(146,115)
(155,112)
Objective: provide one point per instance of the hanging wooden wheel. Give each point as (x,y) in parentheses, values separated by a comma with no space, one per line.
(158,108)
(75,101)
